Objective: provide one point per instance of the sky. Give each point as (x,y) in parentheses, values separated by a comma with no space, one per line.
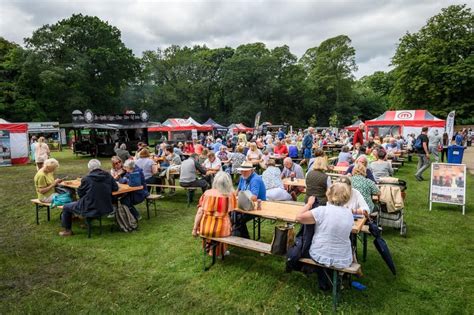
(374,27)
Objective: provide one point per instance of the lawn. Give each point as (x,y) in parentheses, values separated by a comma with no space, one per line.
(158,269)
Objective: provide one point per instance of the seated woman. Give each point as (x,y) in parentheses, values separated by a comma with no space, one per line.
(236,159)
(357,202)
(44,180)
(331,245)
(255,156)
(365,186)
(148,166)
(317,181)
(212,218)
(136,197)
(362,160)
(381,167)
(203,156)
(345,156)
(117,170)
(272,179)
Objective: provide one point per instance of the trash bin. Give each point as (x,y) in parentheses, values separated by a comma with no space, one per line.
(455,153)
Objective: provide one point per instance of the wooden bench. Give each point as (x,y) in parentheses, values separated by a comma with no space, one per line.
(189,190)
(41,205)
(151,199)
(265,248)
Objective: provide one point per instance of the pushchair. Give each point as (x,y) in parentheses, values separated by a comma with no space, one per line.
(391,205)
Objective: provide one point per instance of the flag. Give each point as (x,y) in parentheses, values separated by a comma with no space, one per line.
(450,124)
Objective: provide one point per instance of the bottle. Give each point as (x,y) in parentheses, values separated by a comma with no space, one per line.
(358,286)
(259,204)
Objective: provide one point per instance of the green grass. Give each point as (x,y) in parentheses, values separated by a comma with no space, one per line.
(158,269)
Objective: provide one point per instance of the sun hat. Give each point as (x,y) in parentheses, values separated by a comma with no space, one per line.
(246,166)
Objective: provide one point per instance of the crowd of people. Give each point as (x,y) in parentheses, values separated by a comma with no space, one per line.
(214,164)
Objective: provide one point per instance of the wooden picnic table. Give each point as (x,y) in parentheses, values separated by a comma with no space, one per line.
(288,212)
(342,169)
(123,188)
(301,182)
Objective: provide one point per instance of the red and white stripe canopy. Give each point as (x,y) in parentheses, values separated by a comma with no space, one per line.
(409,118)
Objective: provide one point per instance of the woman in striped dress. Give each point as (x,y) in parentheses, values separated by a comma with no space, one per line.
(212,218)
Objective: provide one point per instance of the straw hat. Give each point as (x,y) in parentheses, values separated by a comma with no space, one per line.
(246,166)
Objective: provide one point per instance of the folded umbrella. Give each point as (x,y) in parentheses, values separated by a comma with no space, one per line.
(382,247)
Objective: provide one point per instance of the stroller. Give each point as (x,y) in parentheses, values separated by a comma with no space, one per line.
(391,205)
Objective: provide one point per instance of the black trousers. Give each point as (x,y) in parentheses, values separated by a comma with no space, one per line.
(196,183)
(239,224)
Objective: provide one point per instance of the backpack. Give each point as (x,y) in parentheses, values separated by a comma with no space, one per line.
(418,144)
(134,179)
(125,219)
(61,199)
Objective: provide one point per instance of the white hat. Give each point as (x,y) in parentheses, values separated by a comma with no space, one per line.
(246,166)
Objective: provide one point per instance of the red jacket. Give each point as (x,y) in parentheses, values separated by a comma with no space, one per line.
(358,137)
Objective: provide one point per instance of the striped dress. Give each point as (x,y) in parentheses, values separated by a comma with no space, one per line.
(215,221)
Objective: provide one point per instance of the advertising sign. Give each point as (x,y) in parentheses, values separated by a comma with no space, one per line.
(450,124)
(448,184)
(5,148)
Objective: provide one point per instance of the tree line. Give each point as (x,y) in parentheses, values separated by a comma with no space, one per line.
(81,62)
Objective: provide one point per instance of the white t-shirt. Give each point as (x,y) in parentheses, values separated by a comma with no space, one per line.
(357,201)
(331,245)
(214,165)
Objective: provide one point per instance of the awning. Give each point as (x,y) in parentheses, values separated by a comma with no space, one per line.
(411,118)
(215,125)
(179,124)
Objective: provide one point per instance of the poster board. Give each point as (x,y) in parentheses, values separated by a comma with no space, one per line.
(5,148)
(448,184)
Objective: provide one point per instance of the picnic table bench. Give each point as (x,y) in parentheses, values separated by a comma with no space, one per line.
(189,190)
(265,248)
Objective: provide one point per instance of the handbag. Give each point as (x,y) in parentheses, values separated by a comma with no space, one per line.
(244,200)
(283,238)
(61,200)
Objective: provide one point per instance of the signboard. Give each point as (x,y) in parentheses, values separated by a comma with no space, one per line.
(404,115)
(194,134)
(448,184)
(130,117)
(5,148)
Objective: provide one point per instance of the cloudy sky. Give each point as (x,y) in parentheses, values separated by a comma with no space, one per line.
(373,26)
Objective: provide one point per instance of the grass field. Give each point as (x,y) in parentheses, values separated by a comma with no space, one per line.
(158,269)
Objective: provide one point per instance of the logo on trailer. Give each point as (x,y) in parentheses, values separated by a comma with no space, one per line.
(404,115)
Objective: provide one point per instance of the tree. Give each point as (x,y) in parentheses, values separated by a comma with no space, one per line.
(77,63)
(434,68)
(330,77)
(14,105)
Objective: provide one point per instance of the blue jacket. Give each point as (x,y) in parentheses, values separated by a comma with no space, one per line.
(255,184)
(138,196)
(308,141)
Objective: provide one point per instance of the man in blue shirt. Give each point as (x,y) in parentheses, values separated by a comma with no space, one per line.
(217,146)
(458,138)
(307,145)
(281,134)
(253,182)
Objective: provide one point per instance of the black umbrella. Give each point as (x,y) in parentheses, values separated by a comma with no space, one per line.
(382,247)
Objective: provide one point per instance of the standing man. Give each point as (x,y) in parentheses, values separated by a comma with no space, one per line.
(421,147)
(281,134)
(307,145)
(359,136)
(435,143)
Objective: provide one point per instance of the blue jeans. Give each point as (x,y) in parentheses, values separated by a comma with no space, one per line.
(423,164)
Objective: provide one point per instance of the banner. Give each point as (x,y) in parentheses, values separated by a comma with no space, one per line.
(450,124)
(448,184)
(257,122)
(5,148)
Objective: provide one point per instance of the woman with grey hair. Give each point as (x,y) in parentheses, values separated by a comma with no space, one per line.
(212,218)
(136,197)
(44,180)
